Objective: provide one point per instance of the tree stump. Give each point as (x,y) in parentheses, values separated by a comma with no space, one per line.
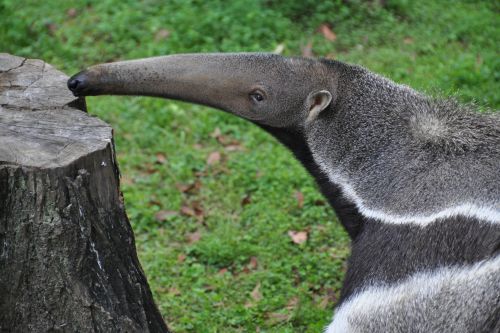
(68,261)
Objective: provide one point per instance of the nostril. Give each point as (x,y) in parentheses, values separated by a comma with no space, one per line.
(78,83)
(73,84)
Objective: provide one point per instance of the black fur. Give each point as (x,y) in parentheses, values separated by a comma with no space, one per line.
(385,253)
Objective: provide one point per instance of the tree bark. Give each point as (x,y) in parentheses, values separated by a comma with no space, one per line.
(68,261)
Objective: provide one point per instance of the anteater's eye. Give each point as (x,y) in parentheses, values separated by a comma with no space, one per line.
(256,96)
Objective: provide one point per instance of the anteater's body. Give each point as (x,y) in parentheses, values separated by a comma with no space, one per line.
(415,181)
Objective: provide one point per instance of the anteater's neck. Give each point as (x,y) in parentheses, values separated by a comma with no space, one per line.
(293,139)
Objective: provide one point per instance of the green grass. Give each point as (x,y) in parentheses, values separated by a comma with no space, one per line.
(209,285)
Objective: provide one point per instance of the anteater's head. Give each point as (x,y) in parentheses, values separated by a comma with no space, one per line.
(264,88)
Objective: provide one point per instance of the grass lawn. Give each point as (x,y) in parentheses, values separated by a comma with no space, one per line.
(212,199)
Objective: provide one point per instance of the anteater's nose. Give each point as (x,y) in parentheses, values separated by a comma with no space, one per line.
(78,83)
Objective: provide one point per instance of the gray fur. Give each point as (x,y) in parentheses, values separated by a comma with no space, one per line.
(408,154)
(407,174)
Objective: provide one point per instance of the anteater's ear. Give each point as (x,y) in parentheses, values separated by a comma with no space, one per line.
(317,102)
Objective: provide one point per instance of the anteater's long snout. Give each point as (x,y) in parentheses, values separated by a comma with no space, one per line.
(196,78)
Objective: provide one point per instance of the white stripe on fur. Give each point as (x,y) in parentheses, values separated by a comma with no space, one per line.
(375,300)
(465,209)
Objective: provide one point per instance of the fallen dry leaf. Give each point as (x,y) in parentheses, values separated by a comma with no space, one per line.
(256,294)
(162,215)
(71,12)
(149,168)
(298,237)
(234,147)
(188,211)
(154,202)
(253,264)
(246,200)
(300,199)
(408,40)
(324,302)
(276,317)
(181,257)
(124,180)
(198,210)
(292,303)
(52,28)
(200,173)
(161,158)
(174,291)
(327,32)
(193,237)
(216,133)
(213,158)
(189,188)
(162,34)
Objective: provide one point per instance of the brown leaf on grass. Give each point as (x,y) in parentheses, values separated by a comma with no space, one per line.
(187,211)
(307,50)
(198,210)
(162,34)
(298,237)
(246,200)
(200,173)
(292,303)
(174,291)
(181,257)
(154,202)
(254,263)
(52,28)
(71,12)
(162,215)
(149,168)
(216,133)
(213,158)
(300,199)
(234,147)
(276,317)
(228,142)
(193,237)
(408,40)
(183,187)
(161,158)
(124,180)
(189,188)
(256,294)
(324,302)
(327,32)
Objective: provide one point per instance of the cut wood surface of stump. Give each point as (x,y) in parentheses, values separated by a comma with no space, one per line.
(68,261)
